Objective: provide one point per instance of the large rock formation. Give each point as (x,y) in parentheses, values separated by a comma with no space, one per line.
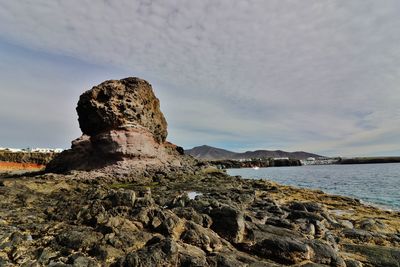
(125,103)
(122,127)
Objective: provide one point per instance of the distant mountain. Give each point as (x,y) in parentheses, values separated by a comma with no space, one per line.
(213,153)
(209,152)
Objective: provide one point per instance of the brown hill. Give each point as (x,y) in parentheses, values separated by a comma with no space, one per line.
(212,153)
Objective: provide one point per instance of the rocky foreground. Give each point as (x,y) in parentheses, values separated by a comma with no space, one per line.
(124,196)
(84,219)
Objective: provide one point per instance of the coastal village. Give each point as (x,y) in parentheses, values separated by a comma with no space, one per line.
(30,150)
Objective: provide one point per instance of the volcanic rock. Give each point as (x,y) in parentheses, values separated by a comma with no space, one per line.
(127,102)
(123,128)
(229,223)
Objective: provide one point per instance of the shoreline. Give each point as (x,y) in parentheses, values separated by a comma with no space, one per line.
(309,178)
(363,202)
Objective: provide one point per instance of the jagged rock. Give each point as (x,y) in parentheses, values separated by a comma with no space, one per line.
(306,206)
(191,214)
(297,214)
(78,240)
(171,225)
(122,197)
(156,253)
(127,102)
(358,234)
(346,224)
(282,249)
(376,255)
(372,225)
(230,259)
(107,252)
(191,256)
(81,261)
(229,223)
(325,254)
(353,263)
(201,237)
(280,222)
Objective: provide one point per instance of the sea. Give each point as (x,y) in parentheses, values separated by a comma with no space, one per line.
(375,184)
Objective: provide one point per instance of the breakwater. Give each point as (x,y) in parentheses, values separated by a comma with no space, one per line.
(261,163)
(369,160)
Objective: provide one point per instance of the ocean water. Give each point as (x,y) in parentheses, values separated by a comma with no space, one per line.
(377,184)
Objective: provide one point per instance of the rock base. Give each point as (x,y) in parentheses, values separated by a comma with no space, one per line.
(122,151)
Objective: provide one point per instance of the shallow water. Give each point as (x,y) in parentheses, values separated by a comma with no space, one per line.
(377,184)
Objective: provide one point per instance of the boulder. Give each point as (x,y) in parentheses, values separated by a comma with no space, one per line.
(353,263)
(324,254)
(156,253)
(124,133)
(122,197)
(229,223)
(115,103)
(282,249)
(199,236)
(375,255)
(357,234)
(80,239)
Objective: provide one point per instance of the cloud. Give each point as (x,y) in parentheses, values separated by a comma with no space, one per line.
(298,75)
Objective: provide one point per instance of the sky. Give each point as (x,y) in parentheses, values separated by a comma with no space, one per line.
(318,76)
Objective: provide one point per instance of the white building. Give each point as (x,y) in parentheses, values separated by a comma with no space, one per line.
(36,150)
(282,158)
(14,150)
(46,150)
(40,150)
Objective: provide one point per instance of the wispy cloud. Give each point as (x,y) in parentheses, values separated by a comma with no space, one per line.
(313,75)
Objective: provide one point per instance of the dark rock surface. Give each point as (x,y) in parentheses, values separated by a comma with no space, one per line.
(376,255)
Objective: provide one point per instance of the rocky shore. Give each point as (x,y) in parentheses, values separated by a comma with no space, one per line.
(83,219)
(124,196)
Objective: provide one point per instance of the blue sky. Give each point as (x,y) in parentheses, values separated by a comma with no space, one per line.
(320,76)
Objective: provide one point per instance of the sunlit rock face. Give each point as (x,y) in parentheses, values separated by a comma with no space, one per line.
(132,142)
(122,125)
